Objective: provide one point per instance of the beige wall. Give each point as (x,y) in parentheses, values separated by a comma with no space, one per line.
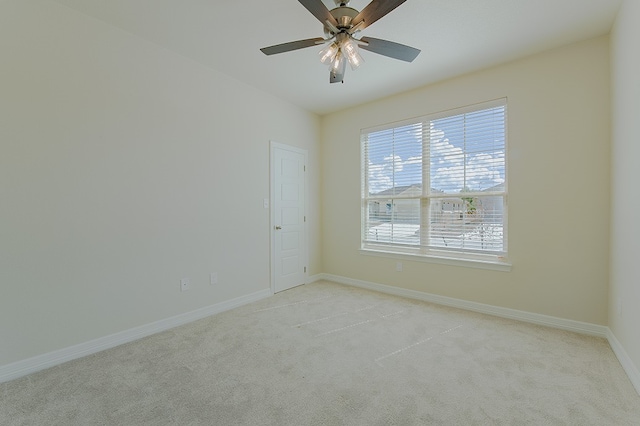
(624,300)
(123,168)
(558,153)
(119,175)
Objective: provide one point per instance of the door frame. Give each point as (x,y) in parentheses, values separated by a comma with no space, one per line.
(273,147)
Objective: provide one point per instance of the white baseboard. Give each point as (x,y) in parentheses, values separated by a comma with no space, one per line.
(623,357)
(31,365)
(560,323)
(313,278)
(549,321)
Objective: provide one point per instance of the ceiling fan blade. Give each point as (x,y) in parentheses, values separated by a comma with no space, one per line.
(320,11)
(390,49)
(374,11)
(292,45)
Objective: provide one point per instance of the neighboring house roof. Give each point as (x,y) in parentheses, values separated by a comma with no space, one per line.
(398,190)
(496,188)
(411,189)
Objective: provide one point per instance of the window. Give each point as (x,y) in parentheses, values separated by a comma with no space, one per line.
(436,186)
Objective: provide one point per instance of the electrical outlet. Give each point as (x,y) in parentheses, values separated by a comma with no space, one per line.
(185,284)
(399,266)
(213,278)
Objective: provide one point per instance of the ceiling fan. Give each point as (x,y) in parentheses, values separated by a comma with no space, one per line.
(340,26)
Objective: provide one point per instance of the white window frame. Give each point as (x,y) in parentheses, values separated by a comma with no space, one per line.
(424,252)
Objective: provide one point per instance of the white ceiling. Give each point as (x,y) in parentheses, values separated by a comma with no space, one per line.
(455,36)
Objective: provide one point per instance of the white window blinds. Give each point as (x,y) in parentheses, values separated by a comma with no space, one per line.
(437,183)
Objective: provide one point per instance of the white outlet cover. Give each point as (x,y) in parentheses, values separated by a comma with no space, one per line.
(185,284)
(213,279)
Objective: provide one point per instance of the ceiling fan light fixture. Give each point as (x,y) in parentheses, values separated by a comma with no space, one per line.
(350,49)
(328,54)
(339,63)
(340,26)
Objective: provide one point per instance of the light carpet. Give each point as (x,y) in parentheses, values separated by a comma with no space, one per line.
(328,354)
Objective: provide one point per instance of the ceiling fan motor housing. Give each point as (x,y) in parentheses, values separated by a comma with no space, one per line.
(344,15)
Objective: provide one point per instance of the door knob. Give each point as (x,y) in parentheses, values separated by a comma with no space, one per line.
(278,228)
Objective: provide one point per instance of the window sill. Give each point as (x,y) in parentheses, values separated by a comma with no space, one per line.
(487,262)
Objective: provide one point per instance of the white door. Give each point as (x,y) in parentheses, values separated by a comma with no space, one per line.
(288,218)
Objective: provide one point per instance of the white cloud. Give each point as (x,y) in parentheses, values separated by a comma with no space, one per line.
(413,160)
(380,177)
(481,171)
(394,162)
